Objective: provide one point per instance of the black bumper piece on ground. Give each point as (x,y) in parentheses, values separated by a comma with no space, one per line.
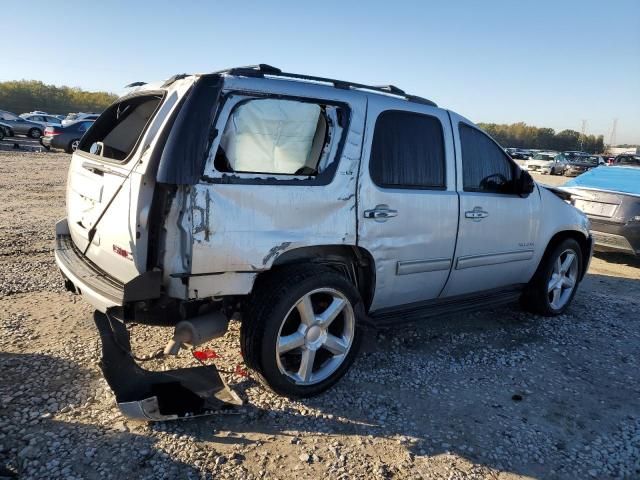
(162,395)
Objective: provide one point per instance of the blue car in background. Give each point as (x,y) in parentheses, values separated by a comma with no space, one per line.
(611,199)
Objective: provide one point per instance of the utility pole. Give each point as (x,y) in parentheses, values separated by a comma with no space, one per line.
(583,131)
(612,137)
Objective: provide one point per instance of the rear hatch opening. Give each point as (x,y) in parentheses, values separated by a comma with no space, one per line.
(115,134)
(109,190)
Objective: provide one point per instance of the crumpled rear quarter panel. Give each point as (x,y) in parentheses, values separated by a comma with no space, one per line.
(246,227)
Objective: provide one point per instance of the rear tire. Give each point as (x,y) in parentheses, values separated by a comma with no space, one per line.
(556,281)
(289,336)
(73,145)
(35,133)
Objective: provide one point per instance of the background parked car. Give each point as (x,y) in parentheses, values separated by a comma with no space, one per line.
(541,160)
(627,160)
(65,138)
(5,130)
(76,117)
(611,199)
(21,126)
(578,164)
(519,154)
(45,120)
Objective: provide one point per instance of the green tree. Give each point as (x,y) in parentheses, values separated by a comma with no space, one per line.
(27,95)
(526,136)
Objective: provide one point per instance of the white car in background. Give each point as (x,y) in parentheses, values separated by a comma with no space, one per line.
(541,162)
(76,117)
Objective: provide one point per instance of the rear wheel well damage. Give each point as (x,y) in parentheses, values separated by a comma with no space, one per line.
(354,263)
(578,237)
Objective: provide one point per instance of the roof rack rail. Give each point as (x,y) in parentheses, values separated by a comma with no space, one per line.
(263,69)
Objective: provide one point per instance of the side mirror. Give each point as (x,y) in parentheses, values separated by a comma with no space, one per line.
(524,184)
(96,148)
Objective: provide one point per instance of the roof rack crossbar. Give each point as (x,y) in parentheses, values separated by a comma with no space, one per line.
(263,69)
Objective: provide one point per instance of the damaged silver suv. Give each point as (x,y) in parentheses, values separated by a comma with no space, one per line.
(305,207)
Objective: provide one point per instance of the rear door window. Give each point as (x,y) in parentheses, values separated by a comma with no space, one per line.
(407,151)
(278,136)
(485,166)
(120,127)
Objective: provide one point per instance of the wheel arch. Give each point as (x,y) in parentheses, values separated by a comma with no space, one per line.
(583,241)
(355,263)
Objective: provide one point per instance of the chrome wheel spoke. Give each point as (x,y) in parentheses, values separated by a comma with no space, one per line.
(556,296)
(290,342)
(305,309)
(553,283)
(558,266)
(332,311)
(306,364)
(566,264)
(308,332)
(335,345)
(563,279)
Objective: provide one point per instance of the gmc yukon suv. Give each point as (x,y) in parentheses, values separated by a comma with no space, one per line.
(307,208)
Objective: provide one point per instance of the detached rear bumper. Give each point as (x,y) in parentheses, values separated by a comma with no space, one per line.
(97,287)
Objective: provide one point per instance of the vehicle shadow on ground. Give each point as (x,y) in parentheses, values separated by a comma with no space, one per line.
(618,258)
(28,448)
(503,388)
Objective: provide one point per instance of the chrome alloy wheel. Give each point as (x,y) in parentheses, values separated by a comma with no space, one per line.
(564,277)
(315,336)
(74,145)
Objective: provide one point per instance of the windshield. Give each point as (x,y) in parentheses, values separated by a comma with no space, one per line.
(543,156)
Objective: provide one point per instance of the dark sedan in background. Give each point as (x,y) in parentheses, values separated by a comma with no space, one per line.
(610,197)
(65,138)
(579,164)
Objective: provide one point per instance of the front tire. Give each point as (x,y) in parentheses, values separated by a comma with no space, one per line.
(300,332)
(556,281)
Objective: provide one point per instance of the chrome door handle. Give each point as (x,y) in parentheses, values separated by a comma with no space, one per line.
(380,213)
(476,214)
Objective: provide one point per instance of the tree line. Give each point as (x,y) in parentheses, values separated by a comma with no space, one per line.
(20,96)
(526,136)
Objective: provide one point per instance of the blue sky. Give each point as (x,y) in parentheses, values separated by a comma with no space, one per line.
(548,63)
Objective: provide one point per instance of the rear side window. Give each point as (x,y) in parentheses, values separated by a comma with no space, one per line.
(279,136)
(485,166)
(407,151)
(115,134)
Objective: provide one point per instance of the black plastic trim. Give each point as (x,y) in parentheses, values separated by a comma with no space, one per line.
(446,306)
(185,152)
(146,286)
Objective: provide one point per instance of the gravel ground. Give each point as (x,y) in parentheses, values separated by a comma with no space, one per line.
(492,394)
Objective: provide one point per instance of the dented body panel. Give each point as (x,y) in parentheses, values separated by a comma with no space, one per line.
(245,227)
